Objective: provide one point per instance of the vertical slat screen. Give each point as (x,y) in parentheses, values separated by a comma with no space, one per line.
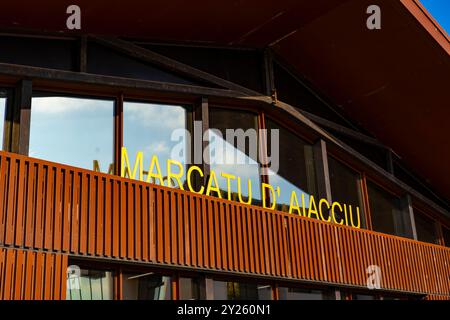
(31,275)
(78,212)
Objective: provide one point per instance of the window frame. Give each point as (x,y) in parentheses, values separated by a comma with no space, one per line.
(353,160)
(362,186)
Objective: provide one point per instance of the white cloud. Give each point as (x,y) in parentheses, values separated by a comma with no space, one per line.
(59,105)
(155,115)
(157,147)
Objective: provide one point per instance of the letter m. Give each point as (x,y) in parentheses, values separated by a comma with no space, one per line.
(125,165)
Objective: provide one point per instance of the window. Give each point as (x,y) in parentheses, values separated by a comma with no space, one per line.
(235,155)
(296,168)
(390,298)
(146,286)
(446,234)
(224,290)
(72,130)
(359,296)
(346,189)
(301,294)
(388,215)
(190,288)
(425,228)
(156,130)
(91,285)
(2,116)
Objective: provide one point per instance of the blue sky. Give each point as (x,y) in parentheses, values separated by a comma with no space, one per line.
(440,10)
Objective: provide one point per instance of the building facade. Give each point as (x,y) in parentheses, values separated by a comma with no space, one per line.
(341,217)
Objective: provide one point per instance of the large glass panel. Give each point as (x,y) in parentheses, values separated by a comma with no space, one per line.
(2,115)
(156,130)
(296,169)
(146,286)
(189,288)
(425,228)
(301,294)
(73,130)
(446,234)
(224,290)
(91,285)
(387,211)
(235,155)
(346,189)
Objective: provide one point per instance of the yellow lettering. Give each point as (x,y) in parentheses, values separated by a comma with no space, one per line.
(312,207)
(210,187)
(176,176)
(351,217)
(249,183)
(228,177)
(333,213)
(265,186)
(303,204)
(295,206)
(188,178)
(321,202)
(125,161)
(155,164)
(345,214)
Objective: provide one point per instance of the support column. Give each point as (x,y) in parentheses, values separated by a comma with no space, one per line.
(18,119)
(322,171)
(409,216)
(201,125)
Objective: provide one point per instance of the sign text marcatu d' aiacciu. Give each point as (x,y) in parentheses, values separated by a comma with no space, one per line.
(322,209)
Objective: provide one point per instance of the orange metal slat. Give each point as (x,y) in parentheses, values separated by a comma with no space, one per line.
(76,214)
(10,205)
(83,222)
(145,223)
(130,220)
(116,218)
(137,222)
(3,197)
(30,206)
(21,203)
(259,241)
(199,245)
(173,228)
(166,226)
(99,226)
(58,210)
(107,240)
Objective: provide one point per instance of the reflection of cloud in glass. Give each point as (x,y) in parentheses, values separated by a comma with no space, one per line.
(224,152)
(74,131)
(95,285)
(224,158)
(286,189)
(148,128)
(155,116)
(65,105)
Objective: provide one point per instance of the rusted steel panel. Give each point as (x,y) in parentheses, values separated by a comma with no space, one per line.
(23,272)
(66,210)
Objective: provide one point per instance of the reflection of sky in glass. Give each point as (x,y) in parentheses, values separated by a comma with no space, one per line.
(72,131)
(2,119)
(286,189)
(95,286)
(148,128)
(224,158)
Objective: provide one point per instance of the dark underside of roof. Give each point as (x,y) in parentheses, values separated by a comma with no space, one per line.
(394,82)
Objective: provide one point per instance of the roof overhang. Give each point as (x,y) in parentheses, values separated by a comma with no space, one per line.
(395,81)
